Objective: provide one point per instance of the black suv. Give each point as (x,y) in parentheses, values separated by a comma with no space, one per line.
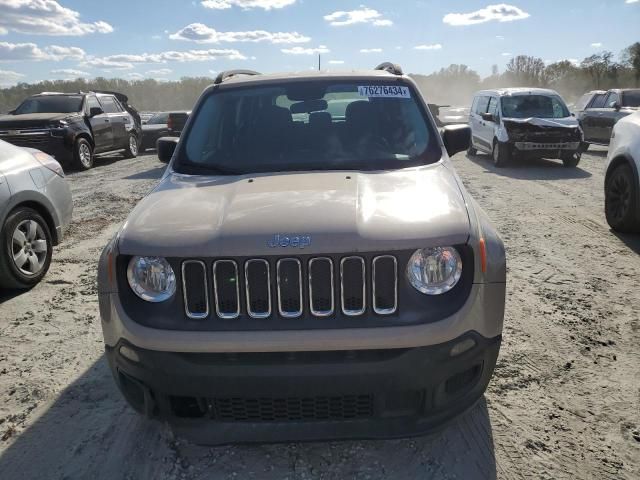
(73,126)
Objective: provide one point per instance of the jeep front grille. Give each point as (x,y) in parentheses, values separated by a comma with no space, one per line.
(291,288)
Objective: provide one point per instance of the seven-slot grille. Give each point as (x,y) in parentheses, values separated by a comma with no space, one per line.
(291,287)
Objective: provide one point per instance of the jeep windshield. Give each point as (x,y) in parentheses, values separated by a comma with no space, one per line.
(537,106)
(309,126)
(51,104)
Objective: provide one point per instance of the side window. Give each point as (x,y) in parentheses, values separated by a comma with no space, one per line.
(611,99)
(481,107)
(109,105)
(599,101)
(92,102)
(493,106)
(474,104)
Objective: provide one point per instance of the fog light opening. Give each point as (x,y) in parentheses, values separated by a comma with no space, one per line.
(129,353)
(463,346)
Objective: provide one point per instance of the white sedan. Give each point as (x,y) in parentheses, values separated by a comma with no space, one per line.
(621,186)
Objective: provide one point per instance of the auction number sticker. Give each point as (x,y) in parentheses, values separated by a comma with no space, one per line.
(384,91)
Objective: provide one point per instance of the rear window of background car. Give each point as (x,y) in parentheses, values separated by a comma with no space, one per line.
(109,105)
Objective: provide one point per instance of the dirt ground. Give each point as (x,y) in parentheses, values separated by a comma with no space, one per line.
(564,402)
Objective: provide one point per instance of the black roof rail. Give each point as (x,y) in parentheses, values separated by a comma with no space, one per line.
(222,76)
(392,68)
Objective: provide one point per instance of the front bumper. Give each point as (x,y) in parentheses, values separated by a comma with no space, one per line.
(296,396)
(528,146)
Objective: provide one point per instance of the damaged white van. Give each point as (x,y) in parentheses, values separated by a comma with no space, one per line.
(513,123)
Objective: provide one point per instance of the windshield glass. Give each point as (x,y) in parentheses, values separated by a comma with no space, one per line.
(631,98)
(537,106)
(310,126)
(158,119)
(51,104)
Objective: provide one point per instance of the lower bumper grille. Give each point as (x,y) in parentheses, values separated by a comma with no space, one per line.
(283,409)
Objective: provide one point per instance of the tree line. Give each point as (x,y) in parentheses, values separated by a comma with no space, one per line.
(457,83)
(452,85)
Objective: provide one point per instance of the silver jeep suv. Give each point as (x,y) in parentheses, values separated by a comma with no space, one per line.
(310,266)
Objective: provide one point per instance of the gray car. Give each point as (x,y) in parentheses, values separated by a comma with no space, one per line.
(604,110)
(304,271)
(35,209)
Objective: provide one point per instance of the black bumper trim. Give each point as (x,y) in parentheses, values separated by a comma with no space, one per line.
(414,390)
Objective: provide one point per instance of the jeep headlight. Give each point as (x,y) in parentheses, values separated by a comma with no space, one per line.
(435,270)
(151,278)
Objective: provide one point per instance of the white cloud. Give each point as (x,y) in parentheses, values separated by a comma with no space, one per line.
(506,54)
(31,51)
(9,77)
(200,33)
(70,72)
(632,1)
(370,50)
(499,37)
(45,17)
(20,51)
(305,51)
(160,71)
(342,18)
(134,76)
(125,61)
(500,13)
(247,4)
(433,46)
(56,52)
(596,45)
(336,62)
(106,64)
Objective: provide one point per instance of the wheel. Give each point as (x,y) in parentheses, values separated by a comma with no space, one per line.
(83,154)
(620,200)
(501,154)
(570,159)
(132,147)
(471,151)
(26,249)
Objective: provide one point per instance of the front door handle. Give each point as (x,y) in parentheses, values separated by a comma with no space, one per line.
(106,120)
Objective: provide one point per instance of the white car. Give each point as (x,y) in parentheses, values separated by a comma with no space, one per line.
(621,185)
(513,123)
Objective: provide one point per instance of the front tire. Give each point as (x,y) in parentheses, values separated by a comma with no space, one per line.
(27,248)
(570,159)
(620,200)
(82,154)
(471,151)
(132,147)
(501,154)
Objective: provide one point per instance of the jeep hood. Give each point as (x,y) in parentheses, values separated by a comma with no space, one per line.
(196,216)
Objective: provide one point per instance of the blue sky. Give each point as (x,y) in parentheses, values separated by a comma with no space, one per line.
(47,39)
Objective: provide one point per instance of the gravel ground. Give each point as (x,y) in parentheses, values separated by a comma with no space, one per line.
(564,402)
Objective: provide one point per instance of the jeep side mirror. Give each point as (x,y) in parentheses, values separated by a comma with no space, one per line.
(616,106)
(489,117)
(456,138)
(11,112)
(93,111)
(165,147)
